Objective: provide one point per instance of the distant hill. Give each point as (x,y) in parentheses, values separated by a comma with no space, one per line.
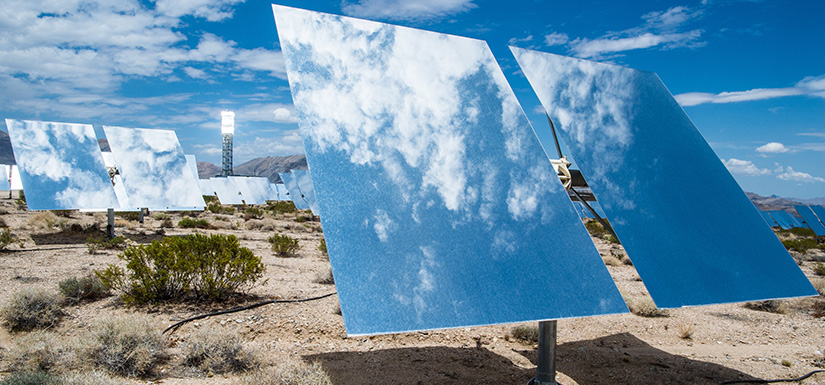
(812,201)
(268,167)
(772,202)
(6,153)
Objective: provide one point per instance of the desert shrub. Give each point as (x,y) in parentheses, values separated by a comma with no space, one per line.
(210,199)
(93,244)
(39,352)
(220,209)
(323,246)
(325,278)
(770,306)
(283,245)
(21,200)
(7,238)
(798,231)
(802,245)
(127,346)
(289,373)
(611,239)
(31,378)
(819,268)
(44,220)
(254,224)
(595,228)
(686,331)
(189,223)
(302,219)
(31,308)
(90,378)
(160,216)
(610,260)
(525,333)
(167,223)
(819,285)
(281,207)
(253,212)
(88,288)
(218,351)
(63,213)
(204,266)
(132,216)
(645,307)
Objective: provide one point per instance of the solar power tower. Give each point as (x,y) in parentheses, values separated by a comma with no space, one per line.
(227,133)
(428,131)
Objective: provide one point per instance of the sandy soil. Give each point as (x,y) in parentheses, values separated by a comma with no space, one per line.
(728,342)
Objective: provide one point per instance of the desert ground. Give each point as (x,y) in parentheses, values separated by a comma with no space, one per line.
(701,345)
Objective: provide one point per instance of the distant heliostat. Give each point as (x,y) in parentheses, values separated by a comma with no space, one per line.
(688,227)
(154,169)
(293,192)
(439,207)
(304,180)
(60,166)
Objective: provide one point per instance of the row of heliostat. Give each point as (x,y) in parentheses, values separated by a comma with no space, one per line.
(813,217)
(61,167)
(460,218)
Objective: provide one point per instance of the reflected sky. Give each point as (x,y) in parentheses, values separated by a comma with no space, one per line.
(254,190)
(227,191)
(439,206)
(205,186)
(809,216)
(4,178)
(307,189)
(120,190)
(691,232)
(60,166)
(819,210)
(154,169)
(281,191)
(293,191)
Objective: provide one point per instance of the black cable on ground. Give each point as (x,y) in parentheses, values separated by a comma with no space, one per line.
(772,381)
(235,310)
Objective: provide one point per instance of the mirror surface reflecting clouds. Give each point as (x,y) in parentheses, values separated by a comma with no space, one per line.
(439,207)
(691,232)
(154,169)
(60,165)
(307,189)
(227,191)
(293,192)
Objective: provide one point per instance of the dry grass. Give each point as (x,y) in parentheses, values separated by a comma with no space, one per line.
(90,378)
(289,373)
(219,350)
(31,308)
(41,351)
(771,306)
(43,220)
(127,346)
(819,285)
(325,278)
(686,331)
(610,260)
(645,307)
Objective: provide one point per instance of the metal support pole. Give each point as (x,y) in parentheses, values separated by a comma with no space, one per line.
(110,226)
(546,360)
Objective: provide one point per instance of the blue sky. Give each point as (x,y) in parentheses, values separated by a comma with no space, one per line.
(750,74)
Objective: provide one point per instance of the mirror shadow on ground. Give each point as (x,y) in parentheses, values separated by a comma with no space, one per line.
(615,359)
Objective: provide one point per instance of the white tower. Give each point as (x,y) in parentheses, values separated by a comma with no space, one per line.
(227,131)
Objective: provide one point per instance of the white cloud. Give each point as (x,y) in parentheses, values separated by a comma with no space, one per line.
(773,148)
(383,225)
(406,9)
(594,48)
(556,38)
(515,41)
(790,174)
(212,10)
(195,73)
(809,86)
(744,167)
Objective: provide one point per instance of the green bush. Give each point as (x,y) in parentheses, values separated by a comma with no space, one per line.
(189,223)
(281,207)
(210,199)
(128,346)
(132,216)
(31,378)
(525,333)
(284,245)
(93,244)
(31,308)
(217,208)
(595,228)
(819,268)
(21,200)
(323,246)
(798,231)
(253,212)
(88,288)
(802,245)
(7,238)
(206,267)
